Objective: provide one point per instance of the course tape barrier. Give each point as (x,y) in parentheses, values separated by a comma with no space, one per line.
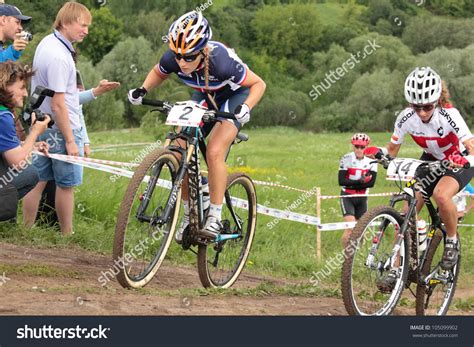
(105,166)
(99,165)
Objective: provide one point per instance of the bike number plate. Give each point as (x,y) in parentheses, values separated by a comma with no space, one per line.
(402,169)
(187,114)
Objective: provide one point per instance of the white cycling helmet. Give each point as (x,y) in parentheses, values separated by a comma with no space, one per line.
(423,86)
(190,33)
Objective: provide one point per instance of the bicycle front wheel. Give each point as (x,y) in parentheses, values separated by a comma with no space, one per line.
(141,237)
(367,264)
(434,297)
(220,263)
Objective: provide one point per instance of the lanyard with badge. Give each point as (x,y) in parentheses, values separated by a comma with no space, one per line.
(73,53)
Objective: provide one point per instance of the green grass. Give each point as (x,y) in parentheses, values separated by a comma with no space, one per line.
(41,270)
(288,156)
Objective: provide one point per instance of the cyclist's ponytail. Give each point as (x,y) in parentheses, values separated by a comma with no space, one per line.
(444,101)
(206,67)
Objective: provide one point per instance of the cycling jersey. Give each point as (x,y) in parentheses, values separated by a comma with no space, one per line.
(226,71)
(440,137)
(355,169)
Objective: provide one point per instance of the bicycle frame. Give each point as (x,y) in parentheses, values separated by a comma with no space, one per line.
(190,164)
(417,261)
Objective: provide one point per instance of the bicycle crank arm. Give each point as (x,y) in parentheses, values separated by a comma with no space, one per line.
(223,237)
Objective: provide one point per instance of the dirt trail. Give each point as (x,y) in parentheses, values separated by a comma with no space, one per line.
(65,282)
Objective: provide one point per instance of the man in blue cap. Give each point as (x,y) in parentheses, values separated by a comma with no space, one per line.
(11,27)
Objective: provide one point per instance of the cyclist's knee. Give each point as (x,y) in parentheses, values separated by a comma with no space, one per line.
(442,198)
(215,154)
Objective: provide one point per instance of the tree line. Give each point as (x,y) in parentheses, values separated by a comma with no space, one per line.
(293,45)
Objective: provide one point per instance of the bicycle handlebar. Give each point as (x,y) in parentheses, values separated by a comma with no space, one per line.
(386,159)
(148,102)
(209,116)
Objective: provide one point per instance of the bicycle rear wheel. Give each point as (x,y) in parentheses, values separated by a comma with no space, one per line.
(141,241)
(220,263)
(364,269)
(434,298)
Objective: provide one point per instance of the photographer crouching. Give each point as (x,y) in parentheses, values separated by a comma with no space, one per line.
(17,176)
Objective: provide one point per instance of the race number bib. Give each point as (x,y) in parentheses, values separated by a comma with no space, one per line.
(187,114)
(402,169)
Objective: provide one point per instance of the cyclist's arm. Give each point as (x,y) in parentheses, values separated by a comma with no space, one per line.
(469,144)
(153,80)
(347,182)
(393,149)
(369,184)
(257,87)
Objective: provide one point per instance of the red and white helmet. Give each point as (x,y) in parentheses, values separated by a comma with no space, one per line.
(360,139)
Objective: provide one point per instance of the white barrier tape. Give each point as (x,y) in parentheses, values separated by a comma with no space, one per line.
(291,216)
(336,226)
(271,184)
(347,225)
(122,145)
(73,159)
(355,195)
(296,217)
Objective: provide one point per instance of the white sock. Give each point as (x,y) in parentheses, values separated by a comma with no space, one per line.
(454,238)
(216,211)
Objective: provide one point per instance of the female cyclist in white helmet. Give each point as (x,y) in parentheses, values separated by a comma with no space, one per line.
(443,134)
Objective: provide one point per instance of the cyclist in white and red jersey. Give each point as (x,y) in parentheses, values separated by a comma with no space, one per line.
(443,135)
(221,81)
(356,175)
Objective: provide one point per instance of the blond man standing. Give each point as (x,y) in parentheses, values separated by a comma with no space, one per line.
(54,62)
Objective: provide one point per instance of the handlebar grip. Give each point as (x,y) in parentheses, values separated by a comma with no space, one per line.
(467,166)
(223,114)
(148,102)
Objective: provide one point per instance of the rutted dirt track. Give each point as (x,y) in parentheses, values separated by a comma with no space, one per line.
(78,292)
(69,286)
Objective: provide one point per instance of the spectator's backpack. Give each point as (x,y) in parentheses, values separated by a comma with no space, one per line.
(8,193)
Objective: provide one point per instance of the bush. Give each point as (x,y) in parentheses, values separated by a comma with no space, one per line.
(281,107)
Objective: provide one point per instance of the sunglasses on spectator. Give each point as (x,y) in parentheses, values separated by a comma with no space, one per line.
(187,58)
(360,147)
(426,108)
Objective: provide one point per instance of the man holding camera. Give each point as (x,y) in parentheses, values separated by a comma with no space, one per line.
(17,177)
(11,21)
(54,61)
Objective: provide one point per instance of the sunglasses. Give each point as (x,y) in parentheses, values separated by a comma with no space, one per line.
(360,147)
(187,58)
(426,108)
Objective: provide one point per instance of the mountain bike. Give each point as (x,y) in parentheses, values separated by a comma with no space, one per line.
(385,239)
(149,212)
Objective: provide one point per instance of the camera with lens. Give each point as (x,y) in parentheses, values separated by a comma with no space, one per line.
(36,99)
(27,36)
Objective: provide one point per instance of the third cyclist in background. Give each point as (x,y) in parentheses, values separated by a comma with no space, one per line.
(356,176)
